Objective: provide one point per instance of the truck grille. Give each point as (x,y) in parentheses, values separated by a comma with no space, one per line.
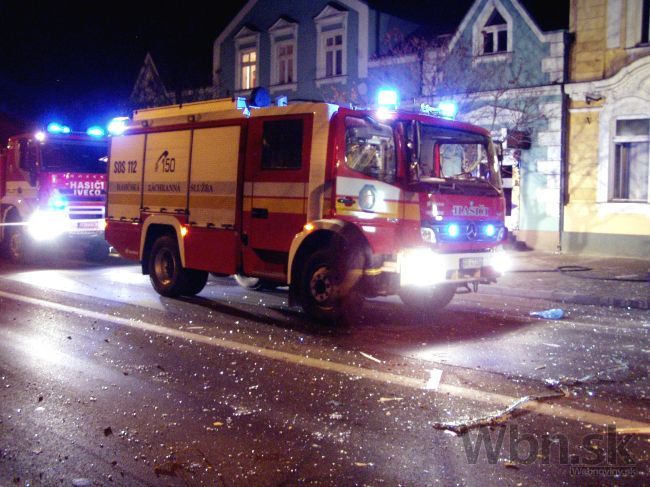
(467,231)
(86,212)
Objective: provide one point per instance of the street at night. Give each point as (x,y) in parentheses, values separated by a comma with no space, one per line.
(104,382)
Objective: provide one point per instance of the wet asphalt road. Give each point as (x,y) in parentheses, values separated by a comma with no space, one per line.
(103,382)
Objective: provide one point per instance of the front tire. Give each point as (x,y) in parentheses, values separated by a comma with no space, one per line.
(97,251)
(167,274)
(17,245)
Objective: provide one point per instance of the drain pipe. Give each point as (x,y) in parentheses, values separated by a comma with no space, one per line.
(564,136)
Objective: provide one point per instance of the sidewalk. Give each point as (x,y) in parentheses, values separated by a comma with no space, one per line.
(575,278)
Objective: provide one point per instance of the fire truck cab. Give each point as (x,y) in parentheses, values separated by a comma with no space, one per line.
(334,202)
(52,193)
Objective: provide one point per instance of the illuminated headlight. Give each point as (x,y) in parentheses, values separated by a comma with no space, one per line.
(421,267)
(428,235)
(501,262)
(58,201)
(46,225)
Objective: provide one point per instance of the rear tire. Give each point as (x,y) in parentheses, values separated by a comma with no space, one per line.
(166,271)
(196,281)
(428,299)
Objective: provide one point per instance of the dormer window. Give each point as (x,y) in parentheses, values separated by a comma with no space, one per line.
(495,34)
(492,33)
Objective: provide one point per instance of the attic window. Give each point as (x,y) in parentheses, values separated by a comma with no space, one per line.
(495,34)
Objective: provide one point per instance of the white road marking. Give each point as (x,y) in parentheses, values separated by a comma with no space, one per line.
(434,379)
(552,410)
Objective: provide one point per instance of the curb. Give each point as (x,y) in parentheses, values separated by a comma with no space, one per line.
(590,299)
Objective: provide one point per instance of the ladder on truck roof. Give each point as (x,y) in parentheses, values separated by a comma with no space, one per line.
(193,108)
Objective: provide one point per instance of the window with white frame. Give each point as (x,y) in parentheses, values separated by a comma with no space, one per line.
(331,28)
(247,46)
(630,171)
(284,53)
(495,34)
(333,54)
(248,69)
(492,33)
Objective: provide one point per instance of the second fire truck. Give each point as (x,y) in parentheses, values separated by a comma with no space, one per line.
(52,193)
(336,203)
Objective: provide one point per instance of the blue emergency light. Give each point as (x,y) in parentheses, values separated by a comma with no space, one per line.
(57,128)
(95,131)
(387,98)
(117,126)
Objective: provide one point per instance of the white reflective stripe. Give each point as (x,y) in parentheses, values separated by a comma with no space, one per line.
(274,190)
(352,186)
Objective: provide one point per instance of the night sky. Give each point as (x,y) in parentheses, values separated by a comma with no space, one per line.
(77,63)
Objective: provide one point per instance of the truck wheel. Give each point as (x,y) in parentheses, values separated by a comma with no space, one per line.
(253,282)
(319,287)
(97,251)
(17,245)
(428,299)
(196,281)
(165,270)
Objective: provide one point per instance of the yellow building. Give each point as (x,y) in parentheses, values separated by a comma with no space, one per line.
(607,172)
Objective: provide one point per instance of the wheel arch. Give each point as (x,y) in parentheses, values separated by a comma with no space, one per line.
(154,227)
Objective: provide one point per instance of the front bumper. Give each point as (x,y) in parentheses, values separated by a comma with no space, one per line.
(423,267)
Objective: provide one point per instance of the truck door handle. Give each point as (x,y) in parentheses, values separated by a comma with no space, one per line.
(346,201)
(259,213)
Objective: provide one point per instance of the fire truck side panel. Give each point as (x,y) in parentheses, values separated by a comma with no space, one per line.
(275,190)
(212,243)
(125,178)
(166,172)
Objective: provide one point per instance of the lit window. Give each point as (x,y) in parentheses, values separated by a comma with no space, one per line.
(248,63)
(247,45)
(630,174)
(495,34)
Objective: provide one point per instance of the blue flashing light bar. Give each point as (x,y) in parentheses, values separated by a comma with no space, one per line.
(95,131)
(490,230)
(387,98)
(57,128)
(453,230)
(447,109)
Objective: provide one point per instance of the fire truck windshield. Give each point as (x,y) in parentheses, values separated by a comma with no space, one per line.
(74,156)
(457,156)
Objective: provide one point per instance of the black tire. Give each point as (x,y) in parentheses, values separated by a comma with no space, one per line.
(97,251)
(254,283)
(428,299)
(196,281)
(327,288)
(165,268)
(17,245)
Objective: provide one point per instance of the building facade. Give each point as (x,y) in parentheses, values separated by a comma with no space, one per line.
(608,207)
(317,50)
(506,74)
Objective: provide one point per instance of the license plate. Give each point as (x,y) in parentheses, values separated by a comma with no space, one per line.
(87,225)
(471,263)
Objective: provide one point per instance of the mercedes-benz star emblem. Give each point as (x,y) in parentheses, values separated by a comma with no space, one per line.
(471,232)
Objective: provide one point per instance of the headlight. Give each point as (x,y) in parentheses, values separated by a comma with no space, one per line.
(421,267)
(46,225)
(501,262)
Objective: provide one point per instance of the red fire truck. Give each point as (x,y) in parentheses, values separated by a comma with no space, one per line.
(336,203)
(52,192)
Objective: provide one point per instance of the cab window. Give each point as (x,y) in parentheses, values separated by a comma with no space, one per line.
(370,148)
